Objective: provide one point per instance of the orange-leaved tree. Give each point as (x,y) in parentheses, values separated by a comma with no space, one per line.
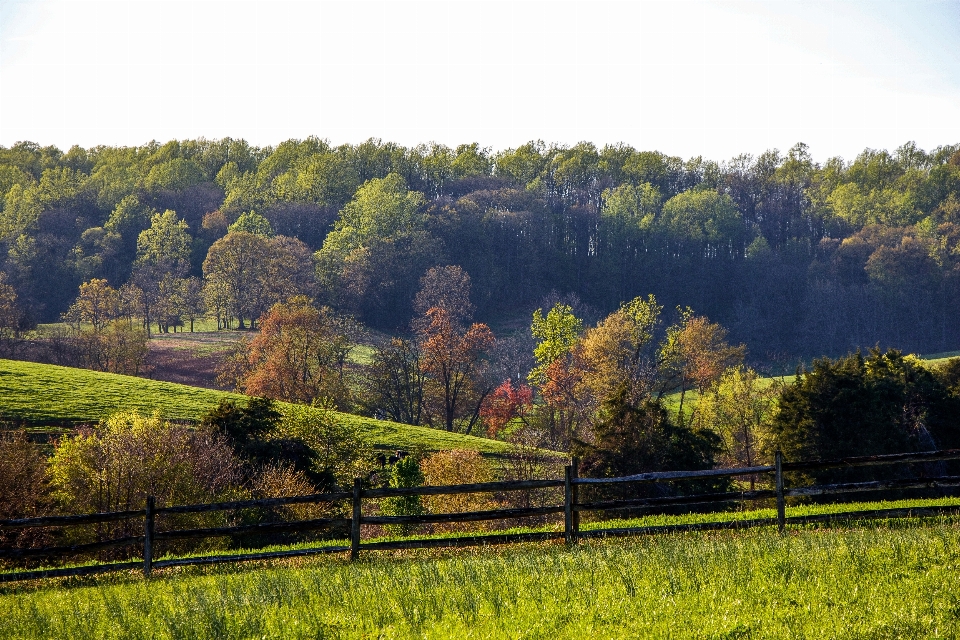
(453,361)
(298,356)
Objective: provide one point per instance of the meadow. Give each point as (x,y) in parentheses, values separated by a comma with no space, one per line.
(893,580)
(42,395)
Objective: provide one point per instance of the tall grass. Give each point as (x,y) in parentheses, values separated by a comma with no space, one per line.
(887,581)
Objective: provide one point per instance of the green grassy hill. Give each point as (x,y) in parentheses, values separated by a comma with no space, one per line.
(42,394)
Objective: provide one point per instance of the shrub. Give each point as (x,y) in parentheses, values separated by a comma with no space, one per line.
(635,438)
(339,451)
(23,486)
(127,457)
(405,473)
(854,406)
(457,467)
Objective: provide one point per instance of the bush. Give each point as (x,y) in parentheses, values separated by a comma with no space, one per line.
(405,473)
(855,406)
(127,457)
(639,438)
(339,452)
(23,487)
(457,467)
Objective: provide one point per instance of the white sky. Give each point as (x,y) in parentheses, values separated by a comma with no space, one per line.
(683,77)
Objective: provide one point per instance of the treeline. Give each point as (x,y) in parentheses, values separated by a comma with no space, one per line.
(795,257)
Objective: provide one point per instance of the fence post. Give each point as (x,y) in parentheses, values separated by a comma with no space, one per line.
(148,538)
(568,504)
(781,507)
(575,496)
(355,523)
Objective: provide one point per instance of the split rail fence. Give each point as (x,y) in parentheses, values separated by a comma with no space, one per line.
(571,509)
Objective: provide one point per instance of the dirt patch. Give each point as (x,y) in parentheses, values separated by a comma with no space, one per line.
(190,358)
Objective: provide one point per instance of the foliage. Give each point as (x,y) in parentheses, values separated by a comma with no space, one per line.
(247,273)
(446,288)
(10,316)
(505,403)
(739,408)
(405,473)
(394,382)
(791,255)
(245,427)
(127,457)
(856,405)
(452,360)
(457,467)
(24,491)
(252,222)
(340,451)
(298,356)
(636,438)
(556,334)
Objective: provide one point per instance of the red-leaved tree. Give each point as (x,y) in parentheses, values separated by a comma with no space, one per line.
(505,403)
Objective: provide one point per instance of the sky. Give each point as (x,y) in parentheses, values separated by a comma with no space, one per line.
(685,77)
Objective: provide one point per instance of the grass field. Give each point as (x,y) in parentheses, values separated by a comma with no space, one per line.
(40,394)
(892,580)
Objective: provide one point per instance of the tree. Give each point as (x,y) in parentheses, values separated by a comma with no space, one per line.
(378,247)
(446,288)
(10,315)
(856,406)
(452,360)
(555,376)
(557,333)
(127,457)
(231,268)
(457,467)
(247,273)
(634,438)
(739,407)
(694,354)
(505,403)
(394,382)
(189,300)
(252,222)
(299,354)
(163,257)
(340,452)
(405,473)
(97,304)
(24,490)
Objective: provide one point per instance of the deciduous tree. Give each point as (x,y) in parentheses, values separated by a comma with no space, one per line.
(453,362)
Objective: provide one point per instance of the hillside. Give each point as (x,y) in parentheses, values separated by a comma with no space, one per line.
(42,394)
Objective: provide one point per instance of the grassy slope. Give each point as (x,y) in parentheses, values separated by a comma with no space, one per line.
(47,394)
(895,580)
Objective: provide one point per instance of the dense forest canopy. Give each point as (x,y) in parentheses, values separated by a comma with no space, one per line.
(796,258)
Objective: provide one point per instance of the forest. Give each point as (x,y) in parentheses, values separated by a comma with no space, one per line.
(796,258)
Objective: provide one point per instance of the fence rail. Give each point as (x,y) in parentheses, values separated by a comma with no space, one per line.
(571,509)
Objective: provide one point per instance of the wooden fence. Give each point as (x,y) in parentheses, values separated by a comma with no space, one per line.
(571,509)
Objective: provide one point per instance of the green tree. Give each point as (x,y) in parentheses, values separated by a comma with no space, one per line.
(854,406)
(405,473)
(163,257)
(556,333)
(252,222)
(739,407)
